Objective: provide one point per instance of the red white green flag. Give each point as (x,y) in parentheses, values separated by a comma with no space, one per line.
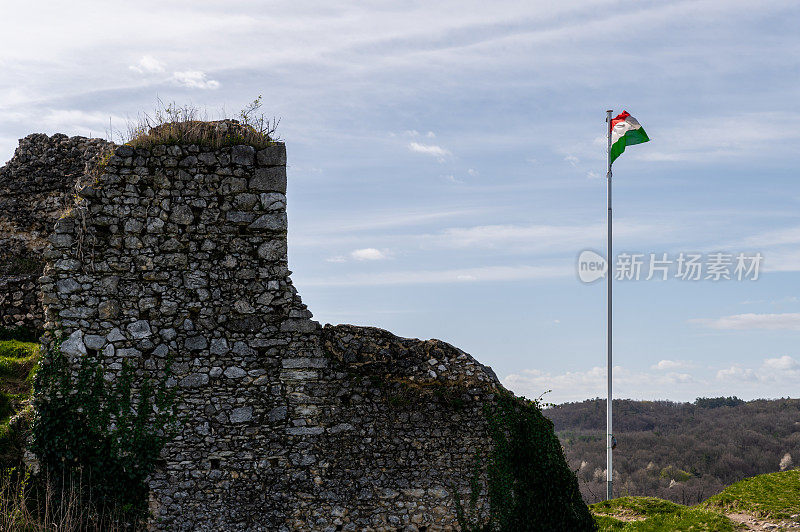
(625,131)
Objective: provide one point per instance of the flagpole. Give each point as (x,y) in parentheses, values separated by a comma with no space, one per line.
(609,259)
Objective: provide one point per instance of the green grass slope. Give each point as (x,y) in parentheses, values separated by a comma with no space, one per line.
(651,514)
(773,496)
(17,366)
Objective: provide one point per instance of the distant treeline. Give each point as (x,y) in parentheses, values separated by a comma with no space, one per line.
(716,402)
(683,452)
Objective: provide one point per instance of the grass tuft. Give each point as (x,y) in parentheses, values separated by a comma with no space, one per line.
(42,505)
(172,124)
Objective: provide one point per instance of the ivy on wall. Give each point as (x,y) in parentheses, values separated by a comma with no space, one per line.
(528,482)
(108,433)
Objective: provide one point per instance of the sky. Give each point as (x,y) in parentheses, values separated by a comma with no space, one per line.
(446,165)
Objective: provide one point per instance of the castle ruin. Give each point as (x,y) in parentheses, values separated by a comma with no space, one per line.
(174,259)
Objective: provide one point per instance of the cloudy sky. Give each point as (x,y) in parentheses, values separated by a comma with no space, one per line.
(446,163)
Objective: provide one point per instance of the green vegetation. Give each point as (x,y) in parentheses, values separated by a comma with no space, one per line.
(17,368)
(635,507)
(607,524)
(775,496)
(29,504)
(717,402)
(528,480)
(94,478)
(22,334)
(651,514)
(106,431)
(681,452)
(175,124)
(673,473)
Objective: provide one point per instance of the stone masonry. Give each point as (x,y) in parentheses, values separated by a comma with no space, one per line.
(35,186)
(180,252)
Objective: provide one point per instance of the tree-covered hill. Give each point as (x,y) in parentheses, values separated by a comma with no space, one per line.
(683,452)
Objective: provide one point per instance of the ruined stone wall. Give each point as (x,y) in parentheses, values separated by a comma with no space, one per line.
(180,252)
(20,305)
(35,186)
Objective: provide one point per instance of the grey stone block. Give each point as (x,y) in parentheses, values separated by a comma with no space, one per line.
(196,343)
(271,179)
(273,155)
(244,155)
(140,329)
(271,222)
(241,414)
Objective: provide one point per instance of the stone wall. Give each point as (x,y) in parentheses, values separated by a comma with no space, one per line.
(35,186)
(20,305)
(179,252)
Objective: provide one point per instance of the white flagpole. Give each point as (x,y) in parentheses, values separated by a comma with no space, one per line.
(609,264)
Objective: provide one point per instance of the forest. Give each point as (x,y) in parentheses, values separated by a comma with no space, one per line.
(683,452)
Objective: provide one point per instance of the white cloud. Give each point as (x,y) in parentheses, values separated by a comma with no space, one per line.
(772,371)
(591,174)
(580,385)
(413,277)
(472,172)
(741,322)
(722,137)
(784,363)
(454,179)
(148,65)
(664,365)
(316,234)
(737,373)
(537,237)
(364,254)
(572,160)
(429,149)
(195,79)
(775,377)
(368,254)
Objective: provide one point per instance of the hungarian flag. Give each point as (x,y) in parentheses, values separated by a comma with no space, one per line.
(625,131)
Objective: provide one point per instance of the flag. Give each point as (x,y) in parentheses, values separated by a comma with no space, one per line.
(625,131)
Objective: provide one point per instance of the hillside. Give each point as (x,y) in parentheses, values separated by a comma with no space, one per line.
(764,502)
(682,452)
